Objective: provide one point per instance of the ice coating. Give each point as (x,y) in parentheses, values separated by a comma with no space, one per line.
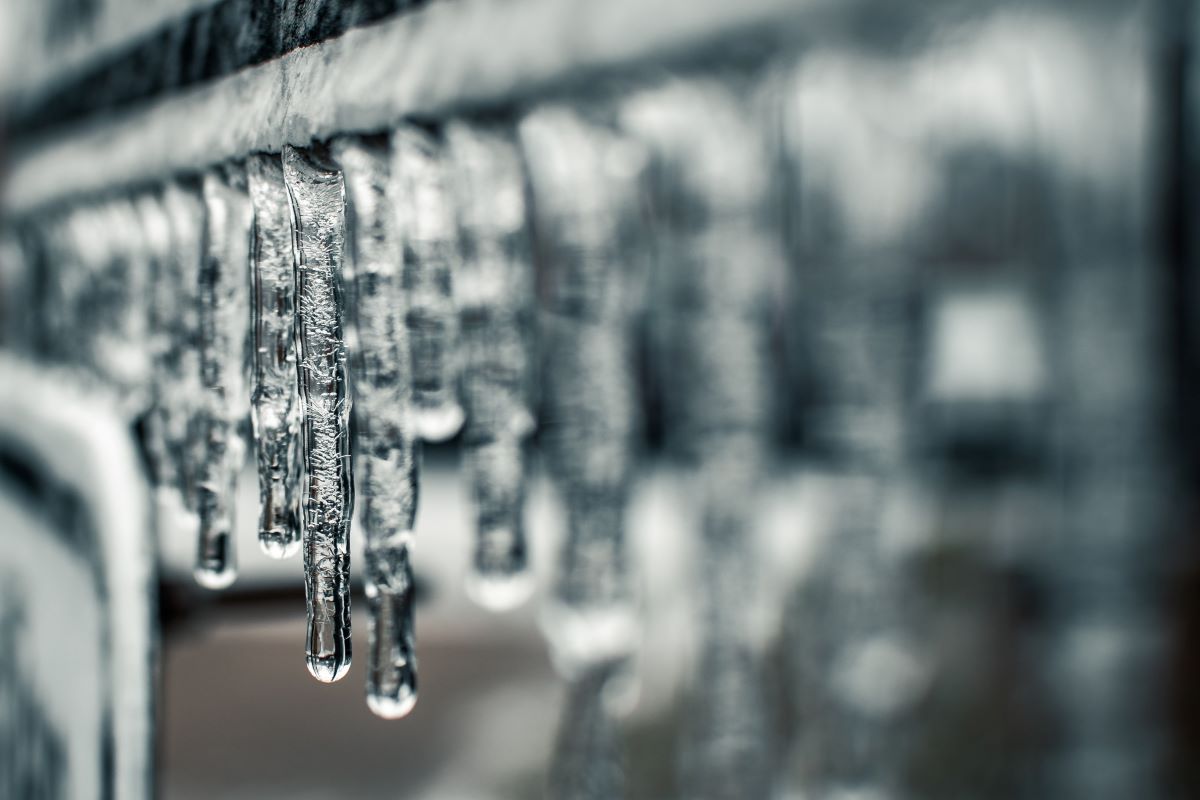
(386,446)
(223,327)
(494,290)
(274,401)
(425,225)
(584,177)
(327,488)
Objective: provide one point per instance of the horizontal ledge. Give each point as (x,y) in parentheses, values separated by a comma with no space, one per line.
(450,56)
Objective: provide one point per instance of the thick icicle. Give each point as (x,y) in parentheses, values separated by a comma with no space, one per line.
(224,323)
(494,290)
(318,217)
(386,446)
(584,177)
(426,228)
(274,402)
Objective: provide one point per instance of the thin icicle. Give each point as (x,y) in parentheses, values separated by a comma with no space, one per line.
(387,449)
(224,324)
(318,217)
(426,228)
(274,401)
(494,290)
(584,178)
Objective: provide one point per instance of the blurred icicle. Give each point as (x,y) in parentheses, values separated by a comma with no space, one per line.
(718,262)
(274,400)
(224,325)
(315,189)
(586,763)
(103,328)
(425,224)
(584,176)
(156,224)
(387,450)
(176,297)
(494,290)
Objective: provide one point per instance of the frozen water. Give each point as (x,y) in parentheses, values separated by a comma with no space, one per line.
(584,177)
(494,292)
(275,405)
(315,188)
(425,225)
(387,450)
(223,327)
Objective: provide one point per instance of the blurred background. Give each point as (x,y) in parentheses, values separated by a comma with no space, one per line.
(799,395)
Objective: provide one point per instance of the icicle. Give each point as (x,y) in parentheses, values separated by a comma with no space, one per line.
(494,291)
(103,328)
(584,181)
(318,217)
(176,293)
(587,763)
(274,402)
(387,449)
(426,228)
(718,259)
(224,324)
(157,231)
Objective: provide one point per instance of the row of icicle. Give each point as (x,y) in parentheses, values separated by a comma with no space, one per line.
(394,279)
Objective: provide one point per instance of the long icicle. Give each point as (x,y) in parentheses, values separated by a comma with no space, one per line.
(315,189)
(274,401)
(494,291)
(425,223)
(584,177)
(223,325)
(386,446)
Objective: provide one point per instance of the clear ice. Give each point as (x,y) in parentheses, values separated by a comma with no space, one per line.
(224,321)
(315,189)
(274,400)
(584,176)
(425,224)
(494,290)
(386,445)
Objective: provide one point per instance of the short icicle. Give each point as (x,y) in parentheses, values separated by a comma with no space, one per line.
(223,324)
(494,291)
(274,402)
(315,189)
(386,447)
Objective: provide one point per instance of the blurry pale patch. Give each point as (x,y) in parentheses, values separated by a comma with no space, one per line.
(985,346)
